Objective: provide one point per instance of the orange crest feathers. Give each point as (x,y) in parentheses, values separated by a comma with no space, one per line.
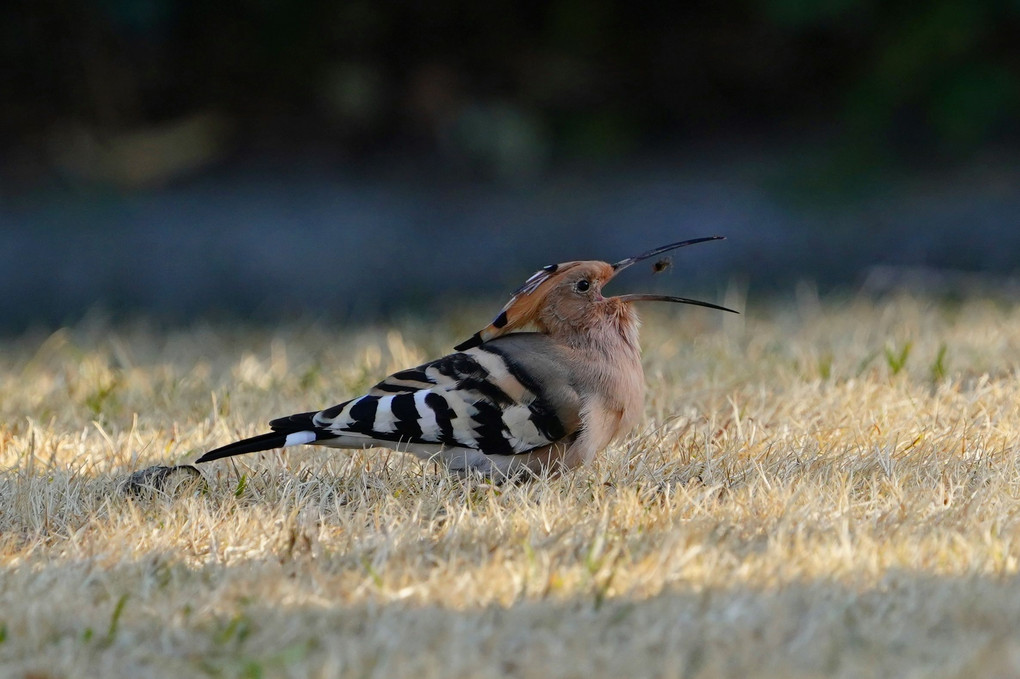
(523,307)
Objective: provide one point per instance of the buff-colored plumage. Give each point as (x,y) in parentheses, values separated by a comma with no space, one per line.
(547,385)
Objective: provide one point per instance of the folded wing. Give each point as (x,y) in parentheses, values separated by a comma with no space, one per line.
(507,396)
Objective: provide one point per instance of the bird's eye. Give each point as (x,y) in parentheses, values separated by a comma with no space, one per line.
(582,286)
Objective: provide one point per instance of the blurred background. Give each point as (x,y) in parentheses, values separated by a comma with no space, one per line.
(276,159)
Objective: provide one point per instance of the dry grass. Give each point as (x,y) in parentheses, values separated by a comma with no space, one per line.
(807,499)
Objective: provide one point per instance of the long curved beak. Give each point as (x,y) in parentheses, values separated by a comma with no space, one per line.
(669,298)
(624,263)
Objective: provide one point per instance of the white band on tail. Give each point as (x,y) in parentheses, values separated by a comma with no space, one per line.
(298,438)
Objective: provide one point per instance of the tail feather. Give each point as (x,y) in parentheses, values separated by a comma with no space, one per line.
(296,422)
(287,431)
(252,445)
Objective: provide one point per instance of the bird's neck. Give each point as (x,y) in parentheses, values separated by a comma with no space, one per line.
(608,355)
(609,362)
(609,332)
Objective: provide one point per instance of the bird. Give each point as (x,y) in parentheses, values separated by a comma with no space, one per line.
(547,385)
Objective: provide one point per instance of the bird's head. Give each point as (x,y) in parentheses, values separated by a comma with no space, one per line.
(570,294)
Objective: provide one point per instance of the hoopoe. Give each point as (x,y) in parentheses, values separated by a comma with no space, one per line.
(507,400)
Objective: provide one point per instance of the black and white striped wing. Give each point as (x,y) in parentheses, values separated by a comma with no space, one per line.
(507,396)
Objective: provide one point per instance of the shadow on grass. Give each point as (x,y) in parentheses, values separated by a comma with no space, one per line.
(157,617)
(229,581)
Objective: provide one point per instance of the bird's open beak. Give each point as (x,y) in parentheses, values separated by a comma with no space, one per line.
(624,263)
(670,298)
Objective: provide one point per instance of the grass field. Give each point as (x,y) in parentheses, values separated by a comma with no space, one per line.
(819,489)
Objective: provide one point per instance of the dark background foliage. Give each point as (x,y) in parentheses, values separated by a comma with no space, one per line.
(222,134)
